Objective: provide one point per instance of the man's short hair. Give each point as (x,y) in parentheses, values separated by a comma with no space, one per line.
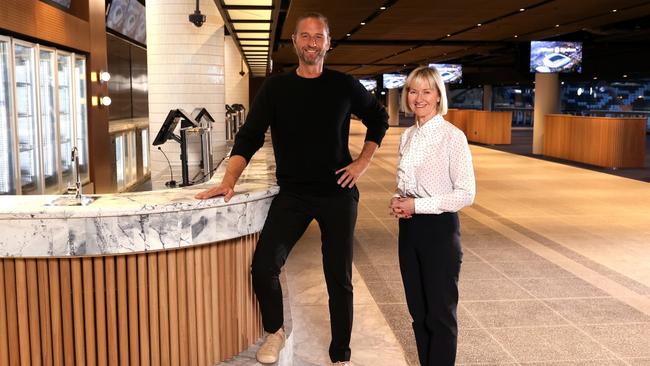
(429,75)
(315,15)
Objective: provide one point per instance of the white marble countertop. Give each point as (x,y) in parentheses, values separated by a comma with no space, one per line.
(139,221)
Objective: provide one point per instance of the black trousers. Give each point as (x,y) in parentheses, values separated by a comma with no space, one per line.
(288,218)
(430,256)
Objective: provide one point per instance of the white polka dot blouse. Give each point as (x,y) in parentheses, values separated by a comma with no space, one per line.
(435,167)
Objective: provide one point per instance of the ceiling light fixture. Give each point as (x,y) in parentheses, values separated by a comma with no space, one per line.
(516,36)
(557,26)
(614,10)
(348,35)
(522,9)
(479,24)
(382,8)
(363,23)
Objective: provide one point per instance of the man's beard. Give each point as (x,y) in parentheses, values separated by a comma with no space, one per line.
(318,57)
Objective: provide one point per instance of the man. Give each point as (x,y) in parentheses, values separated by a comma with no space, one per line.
(308,110)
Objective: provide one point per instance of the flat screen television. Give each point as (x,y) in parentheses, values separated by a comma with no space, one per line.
(393,81)
(128,18)
(369,84)
(451,73)
(555,56)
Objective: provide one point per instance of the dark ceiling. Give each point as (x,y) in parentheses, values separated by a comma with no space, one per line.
(407,33)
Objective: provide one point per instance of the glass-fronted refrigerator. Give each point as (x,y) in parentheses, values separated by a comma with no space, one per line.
(49,130)
(27,117)
(7,138)
(66,117)
(43,115)
(81,111)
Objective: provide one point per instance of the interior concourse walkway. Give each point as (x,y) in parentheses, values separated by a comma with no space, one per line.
(556,267)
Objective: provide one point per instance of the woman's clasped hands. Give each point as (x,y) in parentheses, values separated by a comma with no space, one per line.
(402,207)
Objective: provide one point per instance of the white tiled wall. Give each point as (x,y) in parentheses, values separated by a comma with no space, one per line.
(185,70)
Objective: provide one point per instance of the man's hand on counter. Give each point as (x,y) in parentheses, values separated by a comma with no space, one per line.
(222,189)
(235,167)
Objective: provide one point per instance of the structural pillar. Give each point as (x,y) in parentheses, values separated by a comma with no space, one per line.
(393,107)
(487,97)
(547,101)
(185,70)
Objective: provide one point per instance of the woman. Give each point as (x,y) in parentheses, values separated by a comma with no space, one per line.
(435,179)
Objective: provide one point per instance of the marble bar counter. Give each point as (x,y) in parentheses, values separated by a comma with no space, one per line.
(138,222)
(147,278)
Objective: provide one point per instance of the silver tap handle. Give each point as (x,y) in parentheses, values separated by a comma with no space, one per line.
(75,158)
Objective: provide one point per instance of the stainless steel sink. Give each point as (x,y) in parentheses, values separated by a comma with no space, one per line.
(72,201)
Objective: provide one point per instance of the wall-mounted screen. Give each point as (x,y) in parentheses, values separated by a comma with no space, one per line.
(394,81)
(369,84)
(555,56)
(451,73)
(128,18)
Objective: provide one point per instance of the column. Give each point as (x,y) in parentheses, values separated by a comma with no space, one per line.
(186,70)
(547,101)
(393,107)
(487,97)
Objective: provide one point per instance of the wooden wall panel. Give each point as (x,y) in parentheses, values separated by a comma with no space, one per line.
(485,127)
(192,306)
(600,141)
(42,21)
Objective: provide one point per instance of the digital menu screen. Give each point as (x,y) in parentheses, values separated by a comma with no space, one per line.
(128,18)
(393,81)
(369,84)
(450,73)
(555,56)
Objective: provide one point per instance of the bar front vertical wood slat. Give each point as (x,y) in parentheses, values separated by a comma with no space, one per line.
(163,296)
(100,311)
(111,311)
(123,310)
(145,356)
(44,310)
(4,336)
(154,320)
(55,308)
(223,309)
(214,293)
(200,313)
(207,304)
(66,311)
(134,344)
(174,335)
(23,313)
(89,311)
(183,325)
(12,312)
(78,311)
(34,318)
(191,306)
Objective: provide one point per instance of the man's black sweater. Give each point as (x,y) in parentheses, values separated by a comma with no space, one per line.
(310,125)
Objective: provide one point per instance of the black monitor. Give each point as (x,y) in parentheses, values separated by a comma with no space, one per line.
(166,131)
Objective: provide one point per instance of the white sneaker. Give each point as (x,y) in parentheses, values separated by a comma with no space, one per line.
(269,351)
(342,363)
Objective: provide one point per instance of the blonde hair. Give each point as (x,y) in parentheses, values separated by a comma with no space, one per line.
(431,76)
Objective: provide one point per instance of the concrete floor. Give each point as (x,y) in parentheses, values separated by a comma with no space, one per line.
(556,267)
